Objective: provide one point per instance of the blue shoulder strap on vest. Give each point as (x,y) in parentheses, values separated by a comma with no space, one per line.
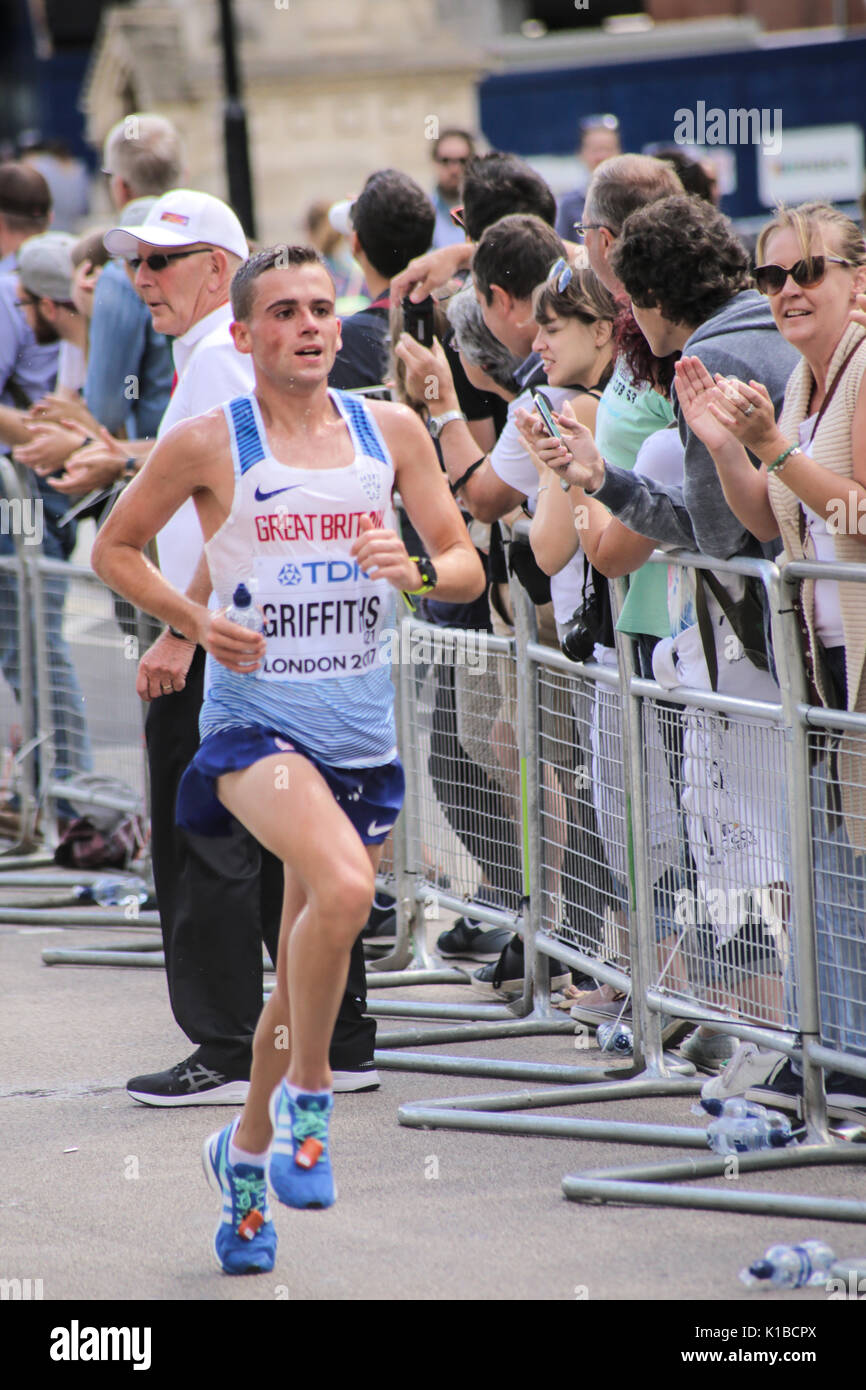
(366,432)
(249,446)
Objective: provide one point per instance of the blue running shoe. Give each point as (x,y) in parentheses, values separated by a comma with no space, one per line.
(245,1240)
(299,1171)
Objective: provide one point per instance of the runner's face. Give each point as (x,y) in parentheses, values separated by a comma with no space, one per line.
(294,329)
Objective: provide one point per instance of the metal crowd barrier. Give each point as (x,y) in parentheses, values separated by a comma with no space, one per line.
(70,690)
(582,806)
(752,970)
(467,820)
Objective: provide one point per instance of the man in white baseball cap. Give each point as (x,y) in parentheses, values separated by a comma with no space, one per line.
(181,218)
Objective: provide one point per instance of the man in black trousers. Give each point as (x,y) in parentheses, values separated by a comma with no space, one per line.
(218,898)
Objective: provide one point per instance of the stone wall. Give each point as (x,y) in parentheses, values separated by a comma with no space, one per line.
(326,102)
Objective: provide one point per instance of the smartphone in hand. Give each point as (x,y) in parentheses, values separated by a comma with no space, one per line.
(545,410)
(418,320)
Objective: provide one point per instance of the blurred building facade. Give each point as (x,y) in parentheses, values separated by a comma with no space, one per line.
(332,90)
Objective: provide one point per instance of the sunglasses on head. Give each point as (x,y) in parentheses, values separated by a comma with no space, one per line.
(561,274)
(770,279)
(160,259)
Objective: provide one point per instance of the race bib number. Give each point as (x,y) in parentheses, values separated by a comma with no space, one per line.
(322,617)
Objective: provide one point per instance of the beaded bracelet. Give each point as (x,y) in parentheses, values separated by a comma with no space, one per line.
(783,458)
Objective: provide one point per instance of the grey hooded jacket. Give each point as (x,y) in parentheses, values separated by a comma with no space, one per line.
(740,340)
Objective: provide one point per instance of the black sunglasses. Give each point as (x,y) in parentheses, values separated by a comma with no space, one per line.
(160,259)
(583,227)
(770,279)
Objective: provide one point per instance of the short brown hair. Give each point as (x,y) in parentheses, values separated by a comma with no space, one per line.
(272,258)
(25,198)
(516,253)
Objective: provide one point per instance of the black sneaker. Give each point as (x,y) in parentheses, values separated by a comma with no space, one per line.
(846,1097)
(469,939)
(504,978)
(381,928)
(189,1083)
(782,1090)
(361,1078)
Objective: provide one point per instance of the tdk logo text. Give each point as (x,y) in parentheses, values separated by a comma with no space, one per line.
(320,572)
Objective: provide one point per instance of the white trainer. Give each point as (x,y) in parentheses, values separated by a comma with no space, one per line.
(750,1066)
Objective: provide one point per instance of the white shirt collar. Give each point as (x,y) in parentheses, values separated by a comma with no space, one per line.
(182,348)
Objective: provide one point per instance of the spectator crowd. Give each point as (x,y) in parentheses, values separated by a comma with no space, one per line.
(699,401)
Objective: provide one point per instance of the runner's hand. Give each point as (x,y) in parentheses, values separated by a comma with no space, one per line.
(382,555)
(233,646)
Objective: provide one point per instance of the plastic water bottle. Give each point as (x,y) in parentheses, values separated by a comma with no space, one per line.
(614,1037)
(115,892)
(740,1134)
(736,1107)
(242,612)
(791,1266)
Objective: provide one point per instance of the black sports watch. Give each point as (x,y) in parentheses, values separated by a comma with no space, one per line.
(429,577)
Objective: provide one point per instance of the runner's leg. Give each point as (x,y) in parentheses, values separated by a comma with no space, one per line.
(328,863)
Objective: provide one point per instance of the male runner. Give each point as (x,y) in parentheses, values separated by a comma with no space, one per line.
(293,485)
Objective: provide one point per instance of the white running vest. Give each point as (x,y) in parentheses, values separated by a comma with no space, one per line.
(288,538)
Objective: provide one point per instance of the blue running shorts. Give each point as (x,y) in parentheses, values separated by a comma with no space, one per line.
(370,796)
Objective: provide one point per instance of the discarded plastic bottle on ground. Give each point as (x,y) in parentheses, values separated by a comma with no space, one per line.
(740,1134)
(791,1266)
(614,1037)
(116,892)
(734,1106)
(242,610)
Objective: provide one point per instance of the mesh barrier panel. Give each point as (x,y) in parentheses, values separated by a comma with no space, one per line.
(467,837)
(583,826)
(88,704)
(13,733)
(721,902)
(838,814)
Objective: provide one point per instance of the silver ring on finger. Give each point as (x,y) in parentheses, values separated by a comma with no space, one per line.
(166,688)
(749,409)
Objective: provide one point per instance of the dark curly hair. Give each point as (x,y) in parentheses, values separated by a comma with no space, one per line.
(681,256)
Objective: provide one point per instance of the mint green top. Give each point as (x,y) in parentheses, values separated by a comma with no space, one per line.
(627,414)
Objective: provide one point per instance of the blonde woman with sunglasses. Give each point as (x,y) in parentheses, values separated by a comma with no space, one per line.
(811,491)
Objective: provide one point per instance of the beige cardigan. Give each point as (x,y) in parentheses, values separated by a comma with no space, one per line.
(832,448)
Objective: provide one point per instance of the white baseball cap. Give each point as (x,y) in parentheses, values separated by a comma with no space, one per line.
(340,216)
(182,217)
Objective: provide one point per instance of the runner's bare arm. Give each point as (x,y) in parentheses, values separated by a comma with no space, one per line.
(192,460)
(434,513)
